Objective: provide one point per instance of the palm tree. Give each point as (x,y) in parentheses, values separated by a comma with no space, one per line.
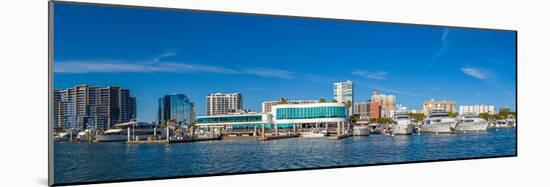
(353,119)
(417,116)
(322,100)
(283,101)
(452,114)
(334,101)
(348,103)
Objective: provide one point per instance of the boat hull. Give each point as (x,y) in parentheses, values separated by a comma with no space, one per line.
(472,127)
(111,138)
(402,129)
(443,127)
(311,135)
(83,137)
(361,131)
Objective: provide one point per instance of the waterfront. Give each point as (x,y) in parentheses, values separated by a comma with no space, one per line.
(92,162)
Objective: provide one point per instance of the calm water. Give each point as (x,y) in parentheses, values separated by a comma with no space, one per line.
(85,162)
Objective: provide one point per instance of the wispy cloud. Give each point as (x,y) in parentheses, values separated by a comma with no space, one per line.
(476,73)
(117,66)
(163,55)
(267,72)
(489,77)
(377,75)
(158,65)
(444,44)
(445,33)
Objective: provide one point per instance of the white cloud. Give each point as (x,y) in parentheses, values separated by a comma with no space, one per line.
(117,66)
(445,33)
(444,44)
(266,72)
(378,75)
(156,65)
(476,73)
(163,55)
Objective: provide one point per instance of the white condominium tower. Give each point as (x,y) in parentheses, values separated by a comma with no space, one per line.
(222,103)
(343,92)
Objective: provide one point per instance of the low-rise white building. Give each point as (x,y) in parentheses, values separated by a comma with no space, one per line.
(476,109)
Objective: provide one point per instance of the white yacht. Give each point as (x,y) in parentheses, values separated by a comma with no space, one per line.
(138,131)
(501,123)
(61,136)
(378,128)
(438,121)
(315,133)
(470,122)
(361,130)
(86,135)
(511,120)
(401,124)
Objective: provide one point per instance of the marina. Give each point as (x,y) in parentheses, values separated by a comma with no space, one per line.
(83,161)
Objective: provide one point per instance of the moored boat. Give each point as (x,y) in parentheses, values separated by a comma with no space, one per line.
(313,134)
(138,131)
(361,130)
(438,121)
(62,136)
(378,129)
(86,135)
(501,124)
(469,123)
(401,124)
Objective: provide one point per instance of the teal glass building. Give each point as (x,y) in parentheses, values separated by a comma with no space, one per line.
(177,108)
(311,112)
(284,116)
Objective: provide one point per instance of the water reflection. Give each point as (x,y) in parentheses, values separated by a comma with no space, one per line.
(85,162)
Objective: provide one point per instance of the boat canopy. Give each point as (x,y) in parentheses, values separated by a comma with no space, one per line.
(112,131)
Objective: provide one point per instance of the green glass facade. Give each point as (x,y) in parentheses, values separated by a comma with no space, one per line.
(311,112)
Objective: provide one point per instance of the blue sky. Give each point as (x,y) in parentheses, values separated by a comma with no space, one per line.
(156,52)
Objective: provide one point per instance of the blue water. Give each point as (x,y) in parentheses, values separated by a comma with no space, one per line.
(86,162)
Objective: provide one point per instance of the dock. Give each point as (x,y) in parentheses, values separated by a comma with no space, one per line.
(338,137)
(266,138)
(186,140)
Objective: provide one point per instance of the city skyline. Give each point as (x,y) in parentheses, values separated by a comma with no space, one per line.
(275,57)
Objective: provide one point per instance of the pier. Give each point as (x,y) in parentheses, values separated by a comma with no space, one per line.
(338,137)
(185,140)
(266,138)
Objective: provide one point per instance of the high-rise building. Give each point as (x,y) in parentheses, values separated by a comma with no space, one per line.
(387,103)
(176,108)
(84,106)
(446,105)
(267,105)
(362,109)
(476,109)
(343,93)
(220,104)
(375,110)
